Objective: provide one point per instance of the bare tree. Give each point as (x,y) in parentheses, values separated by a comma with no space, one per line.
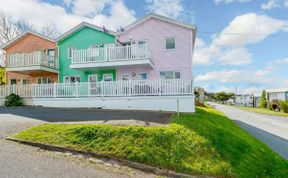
(49,31)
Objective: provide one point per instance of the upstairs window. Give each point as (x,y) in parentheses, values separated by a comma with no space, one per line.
(170,43)
(142,76)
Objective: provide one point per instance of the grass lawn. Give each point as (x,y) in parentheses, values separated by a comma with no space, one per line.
(204,143)
(263,111)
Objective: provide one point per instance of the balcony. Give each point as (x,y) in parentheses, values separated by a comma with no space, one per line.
(27,63)
(135,55)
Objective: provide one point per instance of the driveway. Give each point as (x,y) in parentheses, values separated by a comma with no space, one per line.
(117,117)
(17,160)
(271,129)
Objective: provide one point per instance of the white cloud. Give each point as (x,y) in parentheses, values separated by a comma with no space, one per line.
(170,8)
(236,56)
(230,1)
(229,47)
(41,13)
(236,76)
(248,29)
(272,4)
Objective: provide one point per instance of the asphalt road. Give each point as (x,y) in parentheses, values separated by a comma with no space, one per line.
(17,160)
(271,129)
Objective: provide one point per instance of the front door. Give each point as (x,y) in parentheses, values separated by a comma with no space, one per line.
(93,86)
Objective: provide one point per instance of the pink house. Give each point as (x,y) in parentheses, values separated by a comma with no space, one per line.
(170,45)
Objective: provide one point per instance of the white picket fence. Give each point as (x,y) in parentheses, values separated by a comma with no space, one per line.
(172,87)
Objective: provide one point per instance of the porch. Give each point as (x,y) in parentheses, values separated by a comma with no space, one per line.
(29,63)
(111,56)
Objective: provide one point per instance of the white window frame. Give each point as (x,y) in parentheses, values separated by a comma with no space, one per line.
(69,76)
(166,38)
(68,52)
(103,76)
(142,40)
(130,76)
(41,78)
(138,74)
(90,75)
(173,73)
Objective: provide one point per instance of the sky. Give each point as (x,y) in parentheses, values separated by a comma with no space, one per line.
(241,45)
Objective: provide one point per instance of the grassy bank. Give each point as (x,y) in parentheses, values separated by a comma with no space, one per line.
(204,143)
(264,111)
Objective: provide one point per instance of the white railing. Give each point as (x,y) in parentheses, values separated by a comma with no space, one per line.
(102,89)
(107,54)
(35,58)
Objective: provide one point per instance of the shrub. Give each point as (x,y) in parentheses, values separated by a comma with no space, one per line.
(13,100)
(284,106)
(274,105)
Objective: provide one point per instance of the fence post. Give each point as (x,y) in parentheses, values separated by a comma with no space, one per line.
(77,89)
(102,88)
(54,90)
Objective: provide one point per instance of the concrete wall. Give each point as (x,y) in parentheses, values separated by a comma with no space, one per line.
(154,103)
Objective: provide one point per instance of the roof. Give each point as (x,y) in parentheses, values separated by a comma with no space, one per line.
(21,36)
(160,17)
(277,90)
(79,27)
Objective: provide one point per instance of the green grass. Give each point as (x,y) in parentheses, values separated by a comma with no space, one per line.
(204,143)
(264,111)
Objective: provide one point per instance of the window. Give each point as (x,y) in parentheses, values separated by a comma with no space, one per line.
(25,81)
(51,52)
(71,79)
(125,77)
(142,42)
(69,51)
(170,75)
(108,77)
(44,80)
(13,82)
(142,76)
(170,43)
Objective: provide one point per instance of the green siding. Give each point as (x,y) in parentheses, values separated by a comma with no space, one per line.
(82,39)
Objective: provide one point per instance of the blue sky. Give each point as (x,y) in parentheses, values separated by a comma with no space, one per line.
(240,43)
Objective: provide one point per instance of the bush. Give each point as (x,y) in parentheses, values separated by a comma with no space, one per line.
(274,105)
(284,106)
(13,100)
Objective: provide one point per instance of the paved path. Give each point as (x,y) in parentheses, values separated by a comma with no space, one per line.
(271,129)
(17,160)
(118,117)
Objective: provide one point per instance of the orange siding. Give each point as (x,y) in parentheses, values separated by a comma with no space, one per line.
(27,44)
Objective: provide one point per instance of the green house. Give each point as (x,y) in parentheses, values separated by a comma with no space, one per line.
(82,37)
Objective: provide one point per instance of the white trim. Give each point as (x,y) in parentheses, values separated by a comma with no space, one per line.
(31,68)
(84,66)
(79,27)
(173,49)
(173,71)
(107,74)
(159,17)
(23,35)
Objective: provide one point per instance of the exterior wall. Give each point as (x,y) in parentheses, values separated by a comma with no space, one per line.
(155,31)
(277,96)
(82,39)
(28,44)
(156,103)
(244,100)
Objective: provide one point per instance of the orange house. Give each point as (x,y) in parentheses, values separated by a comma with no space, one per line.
(31,58)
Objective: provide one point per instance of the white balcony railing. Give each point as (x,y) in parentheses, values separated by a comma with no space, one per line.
(37,58)
(171,87)
(107,54)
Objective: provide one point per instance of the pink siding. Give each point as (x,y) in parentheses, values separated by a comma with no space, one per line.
(155,31)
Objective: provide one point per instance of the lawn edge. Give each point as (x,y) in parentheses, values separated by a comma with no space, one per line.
(131,164)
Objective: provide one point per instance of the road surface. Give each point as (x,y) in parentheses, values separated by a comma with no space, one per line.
(271,129)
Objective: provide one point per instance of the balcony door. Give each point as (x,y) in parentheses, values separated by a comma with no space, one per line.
(93,86)
(51,57)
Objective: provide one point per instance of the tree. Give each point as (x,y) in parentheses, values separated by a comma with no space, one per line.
(223,97)
(263,101)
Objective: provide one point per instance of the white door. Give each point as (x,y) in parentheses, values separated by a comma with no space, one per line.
(93,86)
(107,77)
